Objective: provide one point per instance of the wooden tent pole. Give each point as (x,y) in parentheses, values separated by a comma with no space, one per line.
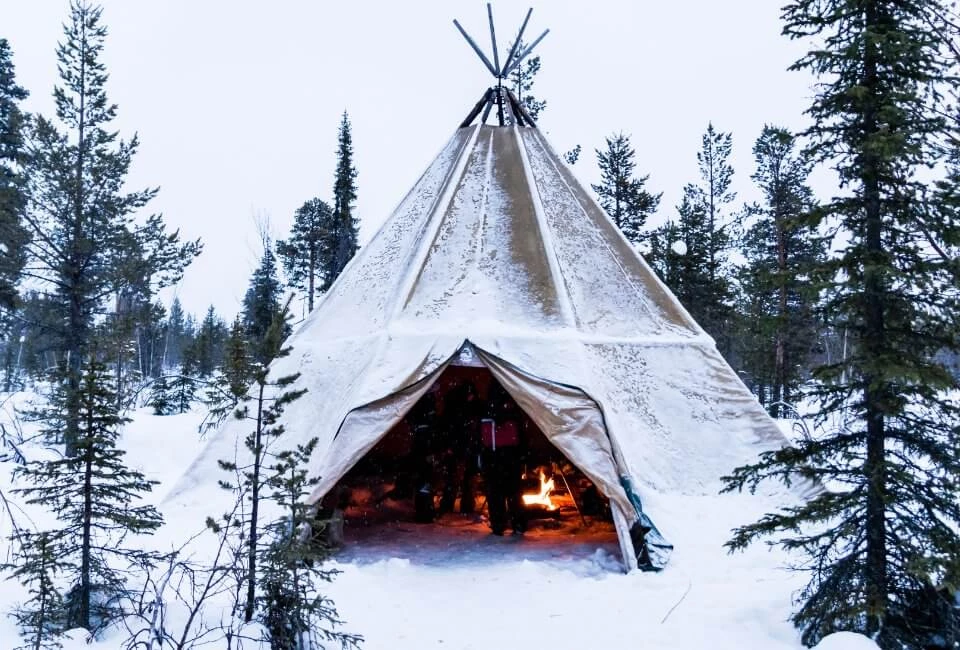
(573,497)
(476,48)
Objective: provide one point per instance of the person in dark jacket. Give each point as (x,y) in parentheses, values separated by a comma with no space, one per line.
(502,456)
(422,421)
(462,411)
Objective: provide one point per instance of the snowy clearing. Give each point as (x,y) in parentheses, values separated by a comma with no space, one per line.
(504,593)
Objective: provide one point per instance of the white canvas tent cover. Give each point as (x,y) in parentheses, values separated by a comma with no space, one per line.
(499,246)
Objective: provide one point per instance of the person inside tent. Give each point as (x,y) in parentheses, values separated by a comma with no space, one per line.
(462,410)
(501,457)
(422,421)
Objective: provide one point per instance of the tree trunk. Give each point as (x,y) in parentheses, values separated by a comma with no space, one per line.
(76,325)
(299,615)
(713,215)
(86,535)
(118,326)
(44,590)
(874,346)
(254,511)
(780,361)
(311,275)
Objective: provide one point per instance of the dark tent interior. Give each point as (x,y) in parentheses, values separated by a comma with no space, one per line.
(427,487)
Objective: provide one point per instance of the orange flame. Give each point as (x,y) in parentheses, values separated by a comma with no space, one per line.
(543,498)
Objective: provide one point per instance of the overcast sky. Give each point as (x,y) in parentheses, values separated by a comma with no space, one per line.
(237,102)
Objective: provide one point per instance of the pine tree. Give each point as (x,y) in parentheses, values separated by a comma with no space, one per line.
(621,195)
(522,78)
(237,373)
(183,388)
(13,351)
(680,252)
(93,496)
(573,155)
(781,251)
(294,613)
(131,330)
(12,234)
(262,405)
(345,224)
(261,304)
(238,362)
(701,273)
(161,399)
(205,353)
(150,337)
(666,246)
(37,320)
(944,206)
(882,544)
(36,565)
(714,193)
(175,335)
(172,394)
(132,335)
(81,220)
(306,255)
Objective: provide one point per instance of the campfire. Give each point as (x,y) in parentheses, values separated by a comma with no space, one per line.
(541,499)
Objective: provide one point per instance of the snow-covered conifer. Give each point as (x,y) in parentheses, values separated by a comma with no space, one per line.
(297,616)
(262,405)
(307,253)
(882,544)
(94,497)
(623,195)
(777,328)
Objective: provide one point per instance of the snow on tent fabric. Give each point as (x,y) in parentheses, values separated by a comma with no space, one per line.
(499,252)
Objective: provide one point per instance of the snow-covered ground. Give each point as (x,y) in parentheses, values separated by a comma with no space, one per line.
(495,598)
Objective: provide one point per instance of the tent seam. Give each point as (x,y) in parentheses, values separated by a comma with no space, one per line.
(438,212)
(566,304)
(616,229)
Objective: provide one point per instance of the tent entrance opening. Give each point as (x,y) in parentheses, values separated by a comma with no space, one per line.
(466,462)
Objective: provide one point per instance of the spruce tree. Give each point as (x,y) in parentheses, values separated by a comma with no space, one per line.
(36,565)
(345,224)
(882,544)
(80,218)
(130,338)
(621,195)
(37,320)
(238,362)
(702,279)
(261,304)
(665,249)
(714,193)
(233,381)
(176,337)
(782,251)
(295,614)
(261,405)
(13,350)
(306,253)
(12,234)
(151,336)
(205,352)
(173,394)
(944,206)
(161,399)
(522,78)
(94,496)
(183,388)
(681,253)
